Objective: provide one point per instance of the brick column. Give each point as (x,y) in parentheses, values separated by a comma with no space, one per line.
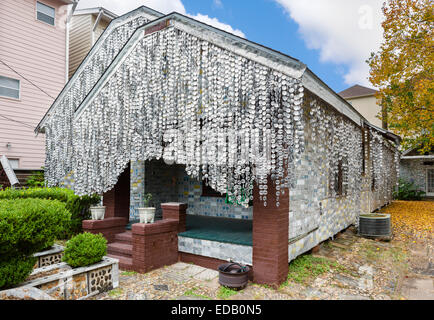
(117,200)
(109,227)
(270,237)
(176,211)
(155,244)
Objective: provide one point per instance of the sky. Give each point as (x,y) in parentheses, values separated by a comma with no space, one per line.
(334,38)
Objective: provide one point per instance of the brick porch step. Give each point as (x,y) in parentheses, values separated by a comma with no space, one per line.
(124,262)
(120,249)
(124,237)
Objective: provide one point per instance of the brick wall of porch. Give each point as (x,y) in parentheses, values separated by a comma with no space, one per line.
(141,248)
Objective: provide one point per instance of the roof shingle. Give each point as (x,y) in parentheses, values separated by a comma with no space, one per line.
(357,91)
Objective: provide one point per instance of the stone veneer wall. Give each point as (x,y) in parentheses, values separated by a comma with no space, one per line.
(137,188)
(170,183)
(190,190)
(153,177)
(214,249)
(314,216)
(413,170)
(66,283)
(161,181)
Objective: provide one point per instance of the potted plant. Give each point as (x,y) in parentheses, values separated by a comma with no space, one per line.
(97,212)
(147,213)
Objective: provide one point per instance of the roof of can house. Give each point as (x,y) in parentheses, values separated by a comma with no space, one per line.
(239,45)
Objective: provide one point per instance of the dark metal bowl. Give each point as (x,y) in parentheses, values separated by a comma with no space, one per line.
(233,275)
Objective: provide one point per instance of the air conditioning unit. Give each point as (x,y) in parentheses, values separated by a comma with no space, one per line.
(375,225)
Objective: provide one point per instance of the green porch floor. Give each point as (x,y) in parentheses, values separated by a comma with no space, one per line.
(218,229)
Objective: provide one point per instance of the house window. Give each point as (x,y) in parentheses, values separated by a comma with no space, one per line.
(15,163)
(9,87)
(45,13)
(373,182)
(207,191)
(339,188)
(363,152)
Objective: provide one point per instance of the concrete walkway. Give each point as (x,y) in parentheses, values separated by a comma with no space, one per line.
(419,283)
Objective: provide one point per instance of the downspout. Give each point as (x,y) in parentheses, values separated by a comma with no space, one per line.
(95,25)
(68,20)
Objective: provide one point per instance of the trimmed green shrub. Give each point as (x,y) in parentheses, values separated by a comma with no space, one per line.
(15,270)
(27,226)
(85,249)
(408,191)
(30,225)
(78,206)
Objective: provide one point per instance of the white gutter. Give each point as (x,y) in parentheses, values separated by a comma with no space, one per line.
(95,25)
(417,157)
(68,20)
(95,10)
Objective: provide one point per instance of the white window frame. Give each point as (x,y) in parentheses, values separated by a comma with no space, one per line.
(17,161)
(36,13)
(19,88)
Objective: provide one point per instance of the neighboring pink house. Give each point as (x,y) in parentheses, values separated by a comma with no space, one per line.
(33,70)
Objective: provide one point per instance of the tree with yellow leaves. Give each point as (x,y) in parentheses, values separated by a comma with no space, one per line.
(403,70)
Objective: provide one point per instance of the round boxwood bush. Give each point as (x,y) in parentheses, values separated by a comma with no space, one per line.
(85,249)
(15,270)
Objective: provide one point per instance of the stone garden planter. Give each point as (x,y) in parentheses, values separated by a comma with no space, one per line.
(63,282)
(50,256)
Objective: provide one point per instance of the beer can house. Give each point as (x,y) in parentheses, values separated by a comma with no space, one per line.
(248,155)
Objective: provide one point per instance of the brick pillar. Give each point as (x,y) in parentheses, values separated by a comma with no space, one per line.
(154,244)
(176,211)
(117,200)
(270,237)
(108,227)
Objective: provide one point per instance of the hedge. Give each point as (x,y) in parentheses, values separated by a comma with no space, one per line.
(78,206)
(27,226)
(30,225)
(15,270)
(85,249)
